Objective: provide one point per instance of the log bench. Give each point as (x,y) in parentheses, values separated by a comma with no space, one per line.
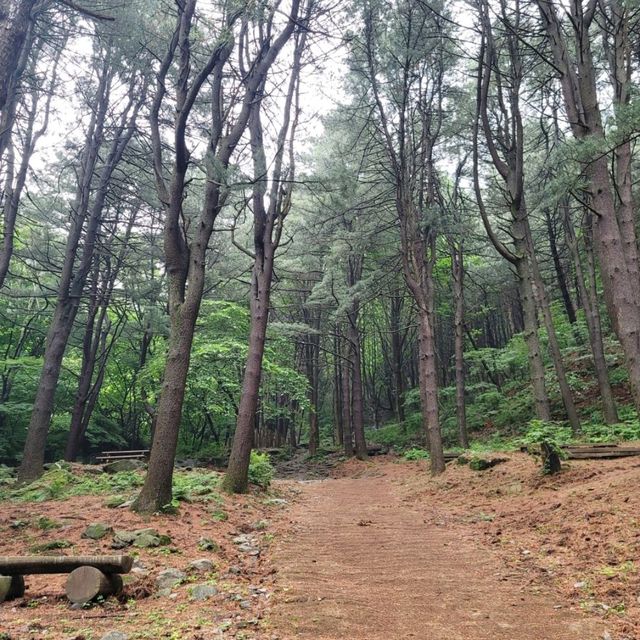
(89,576)
(112,456)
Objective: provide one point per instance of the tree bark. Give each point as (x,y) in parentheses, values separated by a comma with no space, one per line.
(236,477)
(347,424)
(557,263)
(15,18)
(458,323)
(396,357)
(532,339)
(554,347)
(592,317)
(357,400)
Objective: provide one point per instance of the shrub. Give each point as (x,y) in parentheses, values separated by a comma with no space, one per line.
(553,433)
(260,469)
(598,432)
(416,454)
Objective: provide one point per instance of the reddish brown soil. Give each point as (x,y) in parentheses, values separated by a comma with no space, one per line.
(577,533)
(381,551)
(370,559)
(45,612)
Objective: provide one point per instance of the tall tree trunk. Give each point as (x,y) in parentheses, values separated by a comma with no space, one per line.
(337,388)
(557,263)
(236,478)
(74,270)
(313,375)
(458,323)
(357,400)
(157,490)
(615,240)
(532,340)
(396,357)
(427,371)
(347,424)
(592,317)
(268,219)
(14,27)
(554,347)
(185,254)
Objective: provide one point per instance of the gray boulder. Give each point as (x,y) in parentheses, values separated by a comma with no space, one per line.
(115,635)
(170,578)
(96,531)
(122,465)
(202,564)
(202,592)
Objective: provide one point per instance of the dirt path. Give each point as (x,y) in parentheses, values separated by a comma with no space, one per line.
(363,564)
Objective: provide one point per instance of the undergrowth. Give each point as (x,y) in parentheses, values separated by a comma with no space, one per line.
(59,484)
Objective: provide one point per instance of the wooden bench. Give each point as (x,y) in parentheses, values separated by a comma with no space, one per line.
(599,451)
(112,456)
(89,576)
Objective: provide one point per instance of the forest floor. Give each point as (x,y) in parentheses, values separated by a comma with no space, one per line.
(374,550)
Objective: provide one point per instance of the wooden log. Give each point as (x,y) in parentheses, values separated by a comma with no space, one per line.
(628,450)
(590,445)
(11,587)
(603,454)
(87,583)
(130,451)
(18,565)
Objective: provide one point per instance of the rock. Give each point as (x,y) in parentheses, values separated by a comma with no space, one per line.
(276,501)
(202,565)
(124,537)
(202,592)
(6,472)
(236,571)
(206,544)
(163,593)
(92,469)
(245,604)
(61,464)
(261,525)
(170,578)
(187,464)
(96,531)
(122,465)
(249,549)
(51,546)
(141,538)
(146,540)
(114,501)
(481,464)
(145,532)
(115,635)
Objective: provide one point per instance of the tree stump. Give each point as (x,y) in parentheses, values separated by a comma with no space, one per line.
(550,459)
(86,583)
